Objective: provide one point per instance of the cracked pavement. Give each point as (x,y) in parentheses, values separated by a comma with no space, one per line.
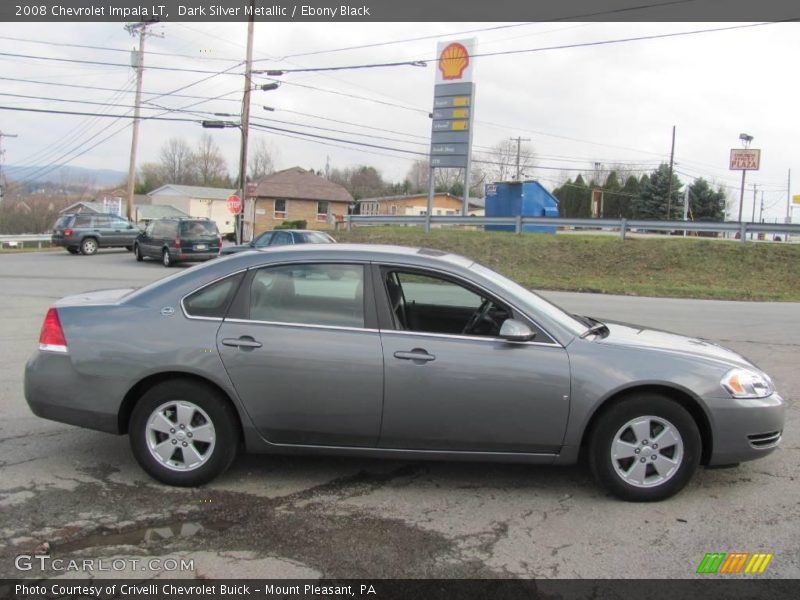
(310,517)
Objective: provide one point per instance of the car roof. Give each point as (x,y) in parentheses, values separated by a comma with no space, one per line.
(368,252)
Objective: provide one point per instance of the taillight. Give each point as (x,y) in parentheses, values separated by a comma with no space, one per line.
(68,233)
(178,243)
(52,336)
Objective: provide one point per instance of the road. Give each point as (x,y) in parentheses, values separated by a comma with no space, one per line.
(83,493)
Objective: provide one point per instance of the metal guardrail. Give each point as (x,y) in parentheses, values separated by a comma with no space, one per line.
(621,225)
(19,240)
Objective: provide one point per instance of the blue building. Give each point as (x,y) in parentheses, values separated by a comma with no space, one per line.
(515,198)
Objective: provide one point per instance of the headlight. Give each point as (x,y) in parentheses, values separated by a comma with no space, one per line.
(743,383)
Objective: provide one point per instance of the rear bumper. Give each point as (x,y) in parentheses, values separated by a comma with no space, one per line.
(64,242)
(745,429)
(194,256)
(55,391)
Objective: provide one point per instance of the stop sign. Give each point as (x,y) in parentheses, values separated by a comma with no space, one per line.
(234,204)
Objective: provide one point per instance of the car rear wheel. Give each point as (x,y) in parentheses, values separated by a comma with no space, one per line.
(72,250)
(183,433)
(137,252)
(128,248)
(645,448)
(166,258)
(89,246)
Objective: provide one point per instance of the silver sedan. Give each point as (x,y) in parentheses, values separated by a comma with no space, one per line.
(391,352)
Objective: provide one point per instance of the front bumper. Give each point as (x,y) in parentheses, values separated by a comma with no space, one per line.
(745,429)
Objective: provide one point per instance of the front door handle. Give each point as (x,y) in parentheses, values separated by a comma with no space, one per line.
(242,342)
(417,355)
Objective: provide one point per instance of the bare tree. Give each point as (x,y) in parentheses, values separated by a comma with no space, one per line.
(208,164)
(176,162)
(500,163)
(261,160)
(417,176)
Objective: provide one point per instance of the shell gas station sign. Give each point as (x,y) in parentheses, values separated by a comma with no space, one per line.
(453,105)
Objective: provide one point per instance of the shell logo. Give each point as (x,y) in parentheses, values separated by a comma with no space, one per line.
(453,60)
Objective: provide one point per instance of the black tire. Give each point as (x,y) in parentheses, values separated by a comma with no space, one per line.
(166,258)
(129,248)
(89,246)
(608,471)
(72,250)
(218,409)
(137,253)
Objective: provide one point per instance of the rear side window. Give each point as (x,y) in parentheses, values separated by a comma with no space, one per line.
(314,237)
(164,229)
(63,222)
(82,221)
(309,294)
(198,228)
(213,300)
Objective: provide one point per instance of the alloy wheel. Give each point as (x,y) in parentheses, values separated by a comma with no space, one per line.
(180,435)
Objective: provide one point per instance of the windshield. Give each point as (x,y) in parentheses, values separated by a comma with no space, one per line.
(531,302)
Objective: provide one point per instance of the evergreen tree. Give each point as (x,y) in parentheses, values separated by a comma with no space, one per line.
(705,203)
(652,200)
(614,203)
(631,191)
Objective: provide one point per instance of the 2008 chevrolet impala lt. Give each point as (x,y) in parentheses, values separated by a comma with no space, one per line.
(391,352)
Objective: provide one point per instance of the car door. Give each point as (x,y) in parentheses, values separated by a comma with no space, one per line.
(146,239)
(103,230)
(301,348)
(124,231)
(446,389)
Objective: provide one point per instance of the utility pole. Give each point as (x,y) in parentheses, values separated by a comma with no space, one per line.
(761,208)
(133,29)
(2,154)
(671,163)
(788,201)
(248,85)
(519,141)
(753,218)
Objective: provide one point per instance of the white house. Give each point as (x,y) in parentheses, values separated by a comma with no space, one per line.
(197,201)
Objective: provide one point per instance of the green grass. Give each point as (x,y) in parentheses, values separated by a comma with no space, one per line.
(676,267)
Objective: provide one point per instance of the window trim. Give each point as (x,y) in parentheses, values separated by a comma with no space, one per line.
(380,282)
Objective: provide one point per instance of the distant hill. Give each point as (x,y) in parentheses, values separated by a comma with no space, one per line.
(65,175)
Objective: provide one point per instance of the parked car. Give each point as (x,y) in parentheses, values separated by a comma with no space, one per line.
(178,239)
(391,352)
(84,233)
(282,237)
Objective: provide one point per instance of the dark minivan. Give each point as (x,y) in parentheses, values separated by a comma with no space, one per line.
(175,240)
(84,233)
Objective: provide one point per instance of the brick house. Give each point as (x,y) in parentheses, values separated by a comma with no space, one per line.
(417,204)
(293,195)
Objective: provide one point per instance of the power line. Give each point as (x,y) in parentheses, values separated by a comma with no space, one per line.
(89,114)
(107,89)
(106,64)
(109,49)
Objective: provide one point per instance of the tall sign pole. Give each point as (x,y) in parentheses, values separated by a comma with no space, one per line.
(744,160)
(453,110)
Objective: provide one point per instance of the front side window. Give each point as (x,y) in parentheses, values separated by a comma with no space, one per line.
(280,210)
(213,300)
(432,304)
(281,238)
(309,294)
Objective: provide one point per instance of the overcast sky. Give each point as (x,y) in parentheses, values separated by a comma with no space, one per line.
(613,104)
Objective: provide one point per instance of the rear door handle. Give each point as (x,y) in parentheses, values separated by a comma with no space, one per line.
(417,354)
(242,342)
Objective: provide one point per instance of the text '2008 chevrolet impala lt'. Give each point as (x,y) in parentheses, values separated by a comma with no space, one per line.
(391,352)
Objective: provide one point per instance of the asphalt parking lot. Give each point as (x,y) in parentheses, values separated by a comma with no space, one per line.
(82,492)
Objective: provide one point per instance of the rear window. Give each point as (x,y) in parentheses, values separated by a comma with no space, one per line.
(314,237)
(197,228)
(63,222)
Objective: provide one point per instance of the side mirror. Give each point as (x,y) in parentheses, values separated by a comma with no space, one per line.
(516,331)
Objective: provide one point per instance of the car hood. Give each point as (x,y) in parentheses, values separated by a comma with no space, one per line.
(95,298)
(635,336)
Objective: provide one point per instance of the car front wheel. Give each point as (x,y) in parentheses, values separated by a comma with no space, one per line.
(89,246)
(137,252)
(645,448)
(183,433)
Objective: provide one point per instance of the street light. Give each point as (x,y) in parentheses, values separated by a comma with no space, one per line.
(268,87)
(219,124)
(746,139)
